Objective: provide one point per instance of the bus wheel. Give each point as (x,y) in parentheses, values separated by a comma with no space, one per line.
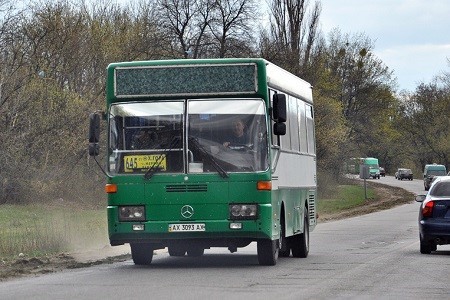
(176,251)
(142,254)
(300,242)
(267,252)
(195,252)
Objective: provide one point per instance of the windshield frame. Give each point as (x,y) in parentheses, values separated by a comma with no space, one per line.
(186,110)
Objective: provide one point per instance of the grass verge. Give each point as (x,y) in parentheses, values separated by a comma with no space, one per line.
(350,200)
(347,197)
(38,230)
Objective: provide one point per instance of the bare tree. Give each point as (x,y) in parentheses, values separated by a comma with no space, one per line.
(54,56)
(366,91)
(187,22)
(294,32)
(231,25)
(209,28)
(425,122)
(312,32)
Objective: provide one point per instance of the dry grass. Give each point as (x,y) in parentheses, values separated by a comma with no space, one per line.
(39,230)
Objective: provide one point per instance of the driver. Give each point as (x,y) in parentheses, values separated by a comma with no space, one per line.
(239,136)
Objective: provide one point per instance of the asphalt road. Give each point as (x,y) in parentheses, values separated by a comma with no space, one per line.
(414,186)
(375,256)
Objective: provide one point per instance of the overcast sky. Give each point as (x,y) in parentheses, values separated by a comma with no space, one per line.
(412,37)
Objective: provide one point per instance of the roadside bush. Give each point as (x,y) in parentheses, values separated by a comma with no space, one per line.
(327,184)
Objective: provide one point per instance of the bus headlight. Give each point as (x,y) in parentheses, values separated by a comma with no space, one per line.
(243,211)
(131,213)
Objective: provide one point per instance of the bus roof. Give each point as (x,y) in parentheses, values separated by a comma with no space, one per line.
(288,82)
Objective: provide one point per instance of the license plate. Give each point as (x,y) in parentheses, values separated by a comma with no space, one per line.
(144,162)
(186,227)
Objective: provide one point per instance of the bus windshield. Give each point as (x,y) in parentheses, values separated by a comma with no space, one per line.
(216,136)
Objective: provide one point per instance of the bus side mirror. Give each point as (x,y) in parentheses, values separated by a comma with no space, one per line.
(94,149)
(279,128)
(279,114)
(94,134)
(279,108)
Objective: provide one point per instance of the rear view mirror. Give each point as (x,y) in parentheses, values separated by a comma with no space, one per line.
(94,128)
(420,198)
(279,108)
(94,149)
(94,134)
(279,128)
(279,114)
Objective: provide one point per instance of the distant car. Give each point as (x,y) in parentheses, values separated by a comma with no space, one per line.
(404,174)
(397,173)
(434,221)
(382,172)
(430,171)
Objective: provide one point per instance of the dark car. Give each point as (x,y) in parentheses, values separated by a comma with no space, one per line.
(434,215)
(404,174)
(382,172)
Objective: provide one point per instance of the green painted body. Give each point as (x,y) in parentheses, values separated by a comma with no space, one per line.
(210,205)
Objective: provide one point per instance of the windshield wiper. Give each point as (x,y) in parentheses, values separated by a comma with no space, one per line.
(155,166)
(209,157)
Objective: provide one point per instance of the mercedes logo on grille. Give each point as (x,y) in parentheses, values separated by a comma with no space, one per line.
(187,211)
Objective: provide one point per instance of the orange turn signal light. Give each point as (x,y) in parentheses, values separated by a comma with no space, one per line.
(264,185)
(111,188)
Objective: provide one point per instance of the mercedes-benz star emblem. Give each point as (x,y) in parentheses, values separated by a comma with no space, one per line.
(187,211)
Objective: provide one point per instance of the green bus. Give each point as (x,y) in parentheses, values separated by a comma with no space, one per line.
(352,165)
(373,166)
(180,177)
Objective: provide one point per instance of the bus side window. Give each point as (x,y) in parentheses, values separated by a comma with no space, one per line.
(310,129)
(286,139)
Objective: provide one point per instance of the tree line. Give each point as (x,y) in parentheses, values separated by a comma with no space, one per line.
(53,55)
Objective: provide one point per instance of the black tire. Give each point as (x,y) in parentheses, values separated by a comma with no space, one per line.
(195,252)
(426,248)
(285,249)
(176,251)
(300,242)
(142,254)
(267,252)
